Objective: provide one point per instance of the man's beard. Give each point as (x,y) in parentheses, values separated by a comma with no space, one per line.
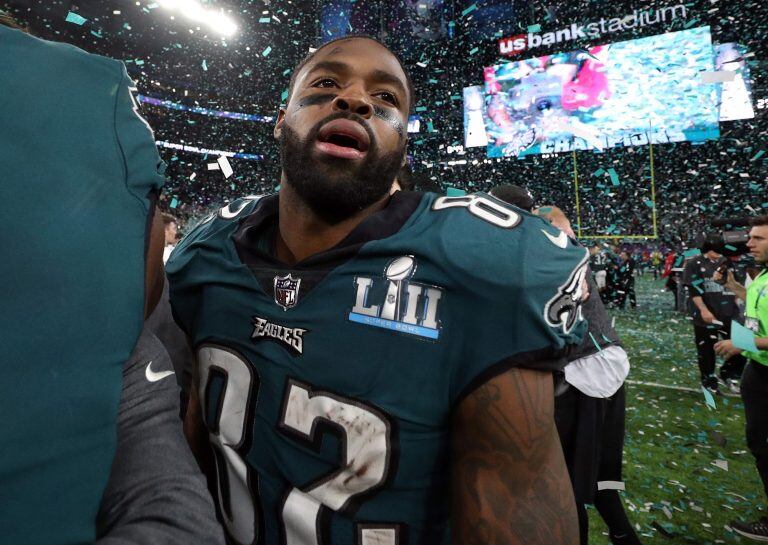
(334,188)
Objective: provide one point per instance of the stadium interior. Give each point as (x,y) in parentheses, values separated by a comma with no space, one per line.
(660,130)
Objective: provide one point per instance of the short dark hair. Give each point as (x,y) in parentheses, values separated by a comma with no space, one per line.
(168,219)
(758,221)
(515,195)
(311,55)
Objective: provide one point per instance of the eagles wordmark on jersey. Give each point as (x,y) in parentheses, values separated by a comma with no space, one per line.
(327,387)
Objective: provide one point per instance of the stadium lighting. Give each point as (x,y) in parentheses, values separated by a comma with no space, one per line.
(217,21)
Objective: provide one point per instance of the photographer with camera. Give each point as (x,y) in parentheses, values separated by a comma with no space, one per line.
(712,308)
(754,383)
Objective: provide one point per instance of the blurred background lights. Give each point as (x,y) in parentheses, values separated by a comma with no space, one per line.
(193,10)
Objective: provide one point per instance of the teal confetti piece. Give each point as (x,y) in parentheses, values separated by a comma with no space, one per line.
(708,398)
(421,108)
(97,34)
(284,95)
(598,172)
(469,10)
(205,65)
(692,252)
(277,188)
(649,203)
(690,23)
(474,50)
(454,192)
(264,20)
(75,18)
(534,28)
(758,155)
(614,176)
(174,202)
(430,128)
(139,62)
(266,51)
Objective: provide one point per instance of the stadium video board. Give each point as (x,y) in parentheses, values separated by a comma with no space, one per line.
(632,93)
(736,90)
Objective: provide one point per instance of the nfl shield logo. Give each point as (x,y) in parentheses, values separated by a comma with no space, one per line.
(286,291)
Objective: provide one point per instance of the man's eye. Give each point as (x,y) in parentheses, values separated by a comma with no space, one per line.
(325,82)
(387,97)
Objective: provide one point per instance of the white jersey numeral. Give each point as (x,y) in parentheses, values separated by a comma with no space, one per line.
(481,207)
(364,463)
(229,393)
(227,434)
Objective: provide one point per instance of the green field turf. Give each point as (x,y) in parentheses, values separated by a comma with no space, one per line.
(674,439)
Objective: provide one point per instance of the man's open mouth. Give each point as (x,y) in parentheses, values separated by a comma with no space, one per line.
(344,139)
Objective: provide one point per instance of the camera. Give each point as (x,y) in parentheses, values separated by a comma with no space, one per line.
(729,240)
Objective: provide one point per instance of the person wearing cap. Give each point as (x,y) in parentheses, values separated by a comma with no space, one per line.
(712,307)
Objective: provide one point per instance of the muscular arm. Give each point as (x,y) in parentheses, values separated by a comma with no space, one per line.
(510,485)
(153,271)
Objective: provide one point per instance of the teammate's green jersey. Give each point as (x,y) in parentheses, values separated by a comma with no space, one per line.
(327,387)
(76,166)
(756,313)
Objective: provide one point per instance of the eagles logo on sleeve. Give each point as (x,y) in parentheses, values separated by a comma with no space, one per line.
(564,309)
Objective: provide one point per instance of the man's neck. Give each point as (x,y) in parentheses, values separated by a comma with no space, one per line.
(302,233)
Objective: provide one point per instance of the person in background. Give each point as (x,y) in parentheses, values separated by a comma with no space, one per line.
(625,278)
(672,272)
(656,261)
(514,194)
(712,307)
(599,264)
(590,412)
(754,382)
(171,227)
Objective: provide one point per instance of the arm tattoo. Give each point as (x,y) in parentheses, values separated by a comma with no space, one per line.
(509,481)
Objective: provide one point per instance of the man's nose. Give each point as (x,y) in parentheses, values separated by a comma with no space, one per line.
(353,102)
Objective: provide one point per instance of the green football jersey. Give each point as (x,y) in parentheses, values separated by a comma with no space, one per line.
(77,165)
(327,387)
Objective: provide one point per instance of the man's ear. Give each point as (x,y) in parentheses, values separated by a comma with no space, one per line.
(279,125)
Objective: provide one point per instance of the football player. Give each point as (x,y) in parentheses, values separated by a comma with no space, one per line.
(82,267)
(375,368)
